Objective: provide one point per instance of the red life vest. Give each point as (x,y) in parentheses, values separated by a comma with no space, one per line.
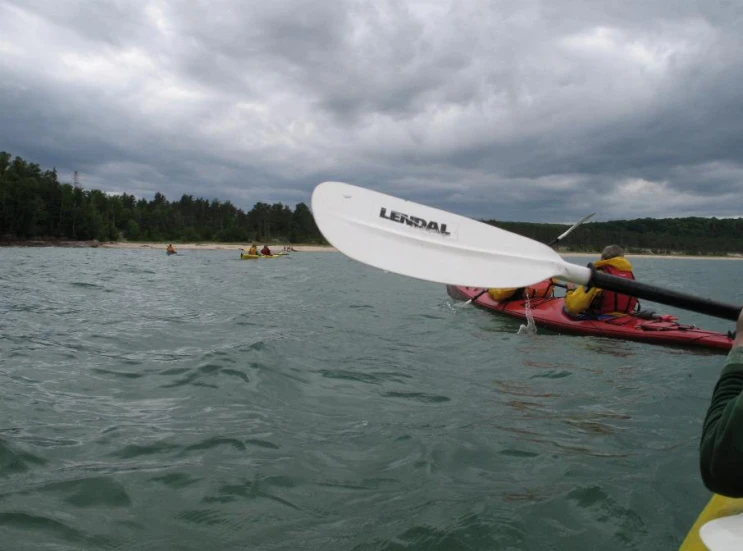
(609,301)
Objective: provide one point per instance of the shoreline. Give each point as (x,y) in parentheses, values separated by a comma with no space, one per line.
(275,247)
(152,245)
(597,256)
(162,245)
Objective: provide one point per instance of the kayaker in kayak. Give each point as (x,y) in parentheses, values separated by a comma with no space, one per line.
(595,302)
(171,249)
(265,251)
(721,446)
(253,250)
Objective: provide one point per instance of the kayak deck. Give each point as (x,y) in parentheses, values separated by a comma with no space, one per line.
(549,313)
(718,507)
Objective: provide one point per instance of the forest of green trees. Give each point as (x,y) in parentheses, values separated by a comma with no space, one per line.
(691,236)
(35,205)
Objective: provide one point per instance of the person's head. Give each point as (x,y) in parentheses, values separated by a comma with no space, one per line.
(612,251)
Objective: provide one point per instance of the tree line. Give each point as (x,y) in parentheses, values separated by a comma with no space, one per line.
(690,236)
(34,204)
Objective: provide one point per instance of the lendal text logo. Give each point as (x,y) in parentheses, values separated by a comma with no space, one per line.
(413,221)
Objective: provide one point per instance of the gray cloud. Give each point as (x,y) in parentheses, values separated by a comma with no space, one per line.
(518,110)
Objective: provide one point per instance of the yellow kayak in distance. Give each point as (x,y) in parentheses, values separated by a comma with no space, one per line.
(717,507)
(246,256)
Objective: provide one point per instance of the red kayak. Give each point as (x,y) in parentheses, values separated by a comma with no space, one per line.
(549,313)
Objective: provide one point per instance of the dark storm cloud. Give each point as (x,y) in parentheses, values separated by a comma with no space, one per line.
(517,110)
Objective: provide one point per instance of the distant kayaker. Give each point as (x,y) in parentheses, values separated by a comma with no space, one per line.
(171,249)
(253,250)
(265,251)
(721,446)
(595,301)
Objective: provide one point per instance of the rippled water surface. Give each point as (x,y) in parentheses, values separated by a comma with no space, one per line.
(310,402)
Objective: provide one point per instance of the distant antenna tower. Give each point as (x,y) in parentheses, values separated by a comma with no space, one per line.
(76,179)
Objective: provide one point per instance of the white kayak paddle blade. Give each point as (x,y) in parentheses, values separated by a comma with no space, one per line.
(723,534)
(426,243)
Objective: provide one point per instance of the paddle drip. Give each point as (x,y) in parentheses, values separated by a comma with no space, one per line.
(530,328)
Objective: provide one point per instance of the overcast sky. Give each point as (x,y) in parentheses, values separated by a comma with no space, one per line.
(515,110)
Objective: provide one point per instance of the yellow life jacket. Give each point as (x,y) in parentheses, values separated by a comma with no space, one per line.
(543,289)
(580,299)
(501,294)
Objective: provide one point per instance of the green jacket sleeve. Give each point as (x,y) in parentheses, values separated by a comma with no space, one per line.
(721,446)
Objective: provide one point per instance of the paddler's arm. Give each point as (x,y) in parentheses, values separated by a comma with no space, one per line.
(579,300)
(721,447)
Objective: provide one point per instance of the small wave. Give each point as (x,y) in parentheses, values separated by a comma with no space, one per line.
(520,389)
(605,509)
(471,531)
(13,460)
(418,396)
(122,374)
(518,453)
(90,492)
(261,443)
(216,442)
(36,523)
(552,375)
(591,427)
(255,489)
(582,450)
(200,375)
(350,376)
(136,450)
(208,517)
(431,316)
(86,285)
(176,480)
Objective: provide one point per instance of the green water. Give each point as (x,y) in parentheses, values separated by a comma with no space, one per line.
(201,402)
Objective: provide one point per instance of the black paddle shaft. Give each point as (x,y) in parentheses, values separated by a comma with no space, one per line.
(663,296)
